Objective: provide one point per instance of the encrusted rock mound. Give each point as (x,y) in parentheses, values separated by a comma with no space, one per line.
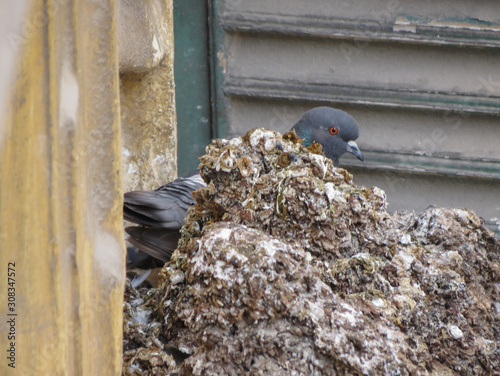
(286,267)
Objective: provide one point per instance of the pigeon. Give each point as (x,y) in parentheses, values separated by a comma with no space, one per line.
(334,129)
(161,213)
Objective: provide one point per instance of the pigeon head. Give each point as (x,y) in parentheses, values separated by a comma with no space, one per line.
(334,129)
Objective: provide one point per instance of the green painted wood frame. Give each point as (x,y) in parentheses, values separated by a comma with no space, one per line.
(198,78)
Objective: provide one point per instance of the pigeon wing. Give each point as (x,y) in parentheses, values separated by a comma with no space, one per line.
(157,242)
(166,207)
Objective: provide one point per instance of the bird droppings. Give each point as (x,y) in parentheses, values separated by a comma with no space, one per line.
(405,239)
(289,268)
(455,332)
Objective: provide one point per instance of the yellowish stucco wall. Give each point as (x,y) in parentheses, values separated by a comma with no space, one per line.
(61,193)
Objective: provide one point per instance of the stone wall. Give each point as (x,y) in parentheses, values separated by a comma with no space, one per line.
(147,93)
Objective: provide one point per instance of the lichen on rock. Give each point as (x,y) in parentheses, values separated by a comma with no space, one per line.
(287,267)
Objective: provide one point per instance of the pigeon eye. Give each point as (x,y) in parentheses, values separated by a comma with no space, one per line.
(334,130)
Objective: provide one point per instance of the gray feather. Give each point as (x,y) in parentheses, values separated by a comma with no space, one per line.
(166,207)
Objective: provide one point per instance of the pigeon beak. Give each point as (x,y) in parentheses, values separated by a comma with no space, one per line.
(352,148)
